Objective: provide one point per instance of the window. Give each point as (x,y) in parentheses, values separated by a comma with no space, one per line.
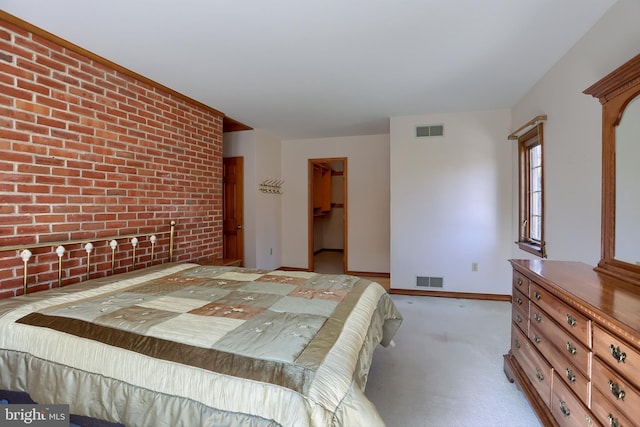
(531,221)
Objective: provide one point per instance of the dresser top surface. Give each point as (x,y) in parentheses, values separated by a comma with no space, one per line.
(618,301)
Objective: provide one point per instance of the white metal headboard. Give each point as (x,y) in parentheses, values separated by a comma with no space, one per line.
(25,251)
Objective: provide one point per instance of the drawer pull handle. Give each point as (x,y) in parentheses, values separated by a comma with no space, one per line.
(564,408)
(570,320)
(539,374)
(615,390)
(537,295)
(571,348)
(570,375)
(537,317)
(617,354)
(537,339)
(613,422)
(519,301)
(517,343)
(518,318)
(519,281)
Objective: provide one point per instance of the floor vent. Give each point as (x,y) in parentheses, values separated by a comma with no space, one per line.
(427,131)
(430,282)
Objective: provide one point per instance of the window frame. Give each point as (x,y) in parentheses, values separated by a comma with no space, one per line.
(528,140)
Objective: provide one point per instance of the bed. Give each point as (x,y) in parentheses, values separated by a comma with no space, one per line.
(183,344)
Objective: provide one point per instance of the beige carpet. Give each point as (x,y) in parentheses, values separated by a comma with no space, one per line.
(446,367)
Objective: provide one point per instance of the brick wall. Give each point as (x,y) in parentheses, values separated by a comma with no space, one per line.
(89,149)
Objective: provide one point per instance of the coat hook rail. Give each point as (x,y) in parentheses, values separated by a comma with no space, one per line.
(271,186)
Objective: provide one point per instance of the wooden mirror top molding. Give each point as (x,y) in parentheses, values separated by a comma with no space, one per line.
(615,91)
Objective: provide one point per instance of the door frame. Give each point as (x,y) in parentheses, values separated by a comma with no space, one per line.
(345,221)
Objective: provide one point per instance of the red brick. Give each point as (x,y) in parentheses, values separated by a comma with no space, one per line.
(54,103)
(66,79)
(30,169)
(33,229)
(51,161)
(33,87)
(33,189)
(65,60)
(50,63)
(14,49)
(50,199)
(45,121)
(33,67)
(31,107)
(16,93)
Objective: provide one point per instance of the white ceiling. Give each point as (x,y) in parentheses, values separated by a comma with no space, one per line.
(324,68)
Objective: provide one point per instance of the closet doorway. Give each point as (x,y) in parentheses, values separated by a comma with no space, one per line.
(328,215)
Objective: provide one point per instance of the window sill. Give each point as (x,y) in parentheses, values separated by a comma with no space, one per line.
(533,248)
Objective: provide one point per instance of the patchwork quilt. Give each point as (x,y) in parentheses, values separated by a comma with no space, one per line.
(192,345)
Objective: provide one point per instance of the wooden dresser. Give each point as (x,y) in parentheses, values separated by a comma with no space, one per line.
(575,344)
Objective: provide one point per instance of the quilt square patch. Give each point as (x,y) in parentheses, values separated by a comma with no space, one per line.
(201,293)
(257,299)
(92,308)
(173,304)
(135,319)
(238,311)
(318,307)
(328,281)
(276,278)
(319,293)
(200,331)
(273,336)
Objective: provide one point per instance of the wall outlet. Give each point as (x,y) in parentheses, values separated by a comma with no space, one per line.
(474,266)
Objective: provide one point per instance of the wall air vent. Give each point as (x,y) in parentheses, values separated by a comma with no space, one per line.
(431,130)
(430,282)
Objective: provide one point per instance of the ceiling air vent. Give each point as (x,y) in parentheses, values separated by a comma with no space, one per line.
(431,130)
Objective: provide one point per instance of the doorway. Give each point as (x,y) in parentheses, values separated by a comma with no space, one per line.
(328,215)
(233,208)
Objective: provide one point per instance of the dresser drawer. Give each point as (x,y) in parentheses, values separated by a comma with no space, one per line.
(520,300)
(567,317)
(616,389)
(573,350)
(571,376)
(617,354)
(521,282)
(533,364)
(567,408)
(521,318)
(606,412)
(520,311)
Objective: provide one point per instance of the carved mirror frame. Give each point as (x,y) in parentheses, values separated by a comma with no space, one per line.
(615,91)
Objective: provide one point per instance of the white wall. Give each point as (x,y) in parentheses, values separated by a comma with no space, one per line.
(367,199)
(268,206)
(451,202)
(573,134)
(262,233)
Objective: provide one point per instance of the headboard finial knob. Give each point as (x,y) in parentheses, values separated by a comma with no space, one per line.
(25,255)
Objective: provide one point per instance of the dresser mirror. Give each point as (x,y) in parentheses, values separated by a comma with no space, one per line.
(619,94)
(627,197)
